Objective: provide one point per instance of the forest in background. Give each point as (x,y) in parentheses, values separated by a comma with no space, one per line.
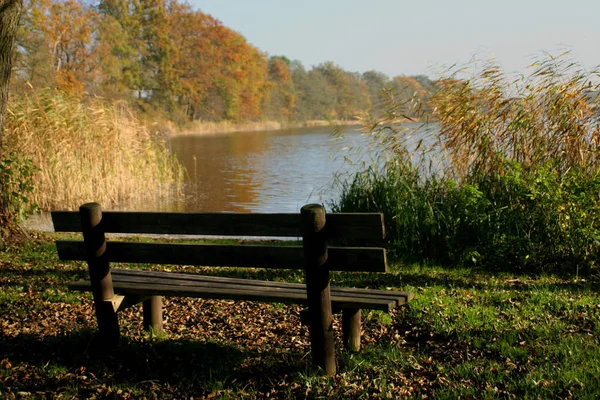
(174,63)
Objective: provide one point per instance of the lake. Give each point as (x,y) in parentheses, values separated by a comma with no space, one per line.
(265,171)
(274,171)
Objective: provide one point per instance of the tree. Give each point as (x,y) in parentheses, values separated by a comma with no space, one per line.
(281,101)
(33,62)
(10,12)
(350,92)
(56,45)
(377,83)
(118,49)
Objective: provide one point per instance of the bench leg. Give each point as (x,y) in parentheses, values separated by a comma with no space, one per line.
(305,316)
(152,308)
(351,328)
(108,323)
(100,278)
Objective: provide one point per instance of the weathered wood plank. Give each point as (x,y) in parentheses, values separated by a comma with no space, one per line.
(144,289)
(119,274)
(253,285)
(357,294)
(285,257)
(399,297)
(165,278)
(339,299)
(367,226)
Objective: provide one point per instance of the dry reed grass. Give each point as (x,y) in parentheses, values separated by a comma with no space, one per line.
(89,151)
(549,116)
(488,120)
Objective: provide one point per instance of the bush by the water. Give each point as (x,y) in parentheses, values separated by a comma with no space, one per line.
(71,150)
(530,221)
(520,187)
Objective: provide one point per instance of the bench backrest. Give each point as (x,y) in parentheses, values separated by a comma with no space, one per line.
(345,226)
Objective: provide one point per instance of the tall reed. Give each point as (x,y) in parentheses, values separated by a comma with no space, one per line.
(87,150)
(517,184)
(551,115)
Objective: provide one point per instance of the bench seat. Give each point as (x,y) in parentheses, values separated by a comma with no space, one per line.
(153,283)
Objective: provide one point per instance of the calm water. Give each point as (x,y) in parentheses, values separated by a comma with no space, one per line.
(269,171)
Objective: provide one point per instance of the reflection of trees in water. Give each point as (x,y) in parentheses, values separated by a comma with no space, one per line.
(269,171)
(220,170)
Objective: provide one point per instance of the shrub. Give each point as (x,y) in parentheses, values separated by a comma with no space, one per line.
(16,182)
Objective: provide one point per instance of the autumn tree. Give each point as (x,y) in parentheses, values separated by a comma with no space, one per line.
(33,60)
(280,103)
(56,45)
(177,63)
(377,83)
(116,50)
(192,59)
(350,93)
(240,82)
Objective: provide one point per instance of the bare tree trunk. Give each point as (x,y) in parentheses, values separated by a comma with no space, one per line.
(10,12)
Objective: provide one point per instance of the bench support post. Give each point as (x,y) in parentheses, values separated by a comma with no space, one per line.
(317,287)
(99,268)
(351,328)
(152,309)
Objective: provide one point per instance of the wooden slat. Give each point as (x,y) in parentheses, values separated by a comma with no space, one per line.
(232,292)
(124,276)
(119,274)
(362,226)
(255,285)
(286,257)
(356,294)
(339,225)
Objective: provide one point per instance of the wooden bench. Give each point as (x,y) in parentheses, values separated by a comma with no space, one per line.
(116,289)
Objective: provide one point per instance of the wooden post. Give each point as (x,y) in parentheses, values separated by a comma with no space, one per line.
(99,268)
(317,287)
(351,328)
(152,309)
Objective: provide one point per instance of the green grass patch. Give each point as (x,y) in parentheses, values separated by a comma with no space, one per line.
(467,333)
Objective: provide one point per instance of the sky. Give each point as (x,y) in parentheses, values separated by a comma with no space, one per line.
(399,37)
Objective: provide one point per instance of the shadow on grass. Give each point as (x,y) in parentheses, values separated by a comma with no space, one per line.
(187,366)
(19,275)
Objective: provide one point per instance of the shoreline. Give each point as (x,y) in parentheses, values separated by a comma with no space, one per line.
(215,128)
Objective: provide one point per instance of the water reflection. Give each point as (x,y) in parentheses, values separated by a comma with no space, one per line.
(268,171)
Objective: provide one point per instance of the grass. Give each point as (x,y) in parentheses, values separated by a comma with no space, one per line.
(467,333)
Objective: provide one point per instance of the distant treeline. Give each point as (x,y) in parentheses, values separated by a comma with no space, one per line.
(177,63)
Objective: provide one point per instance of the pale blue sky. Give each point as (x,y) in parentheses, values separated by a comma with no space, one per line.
(414,37)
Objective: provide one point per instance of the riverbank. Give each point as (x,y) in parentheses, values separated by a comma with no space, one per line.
(213,128)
